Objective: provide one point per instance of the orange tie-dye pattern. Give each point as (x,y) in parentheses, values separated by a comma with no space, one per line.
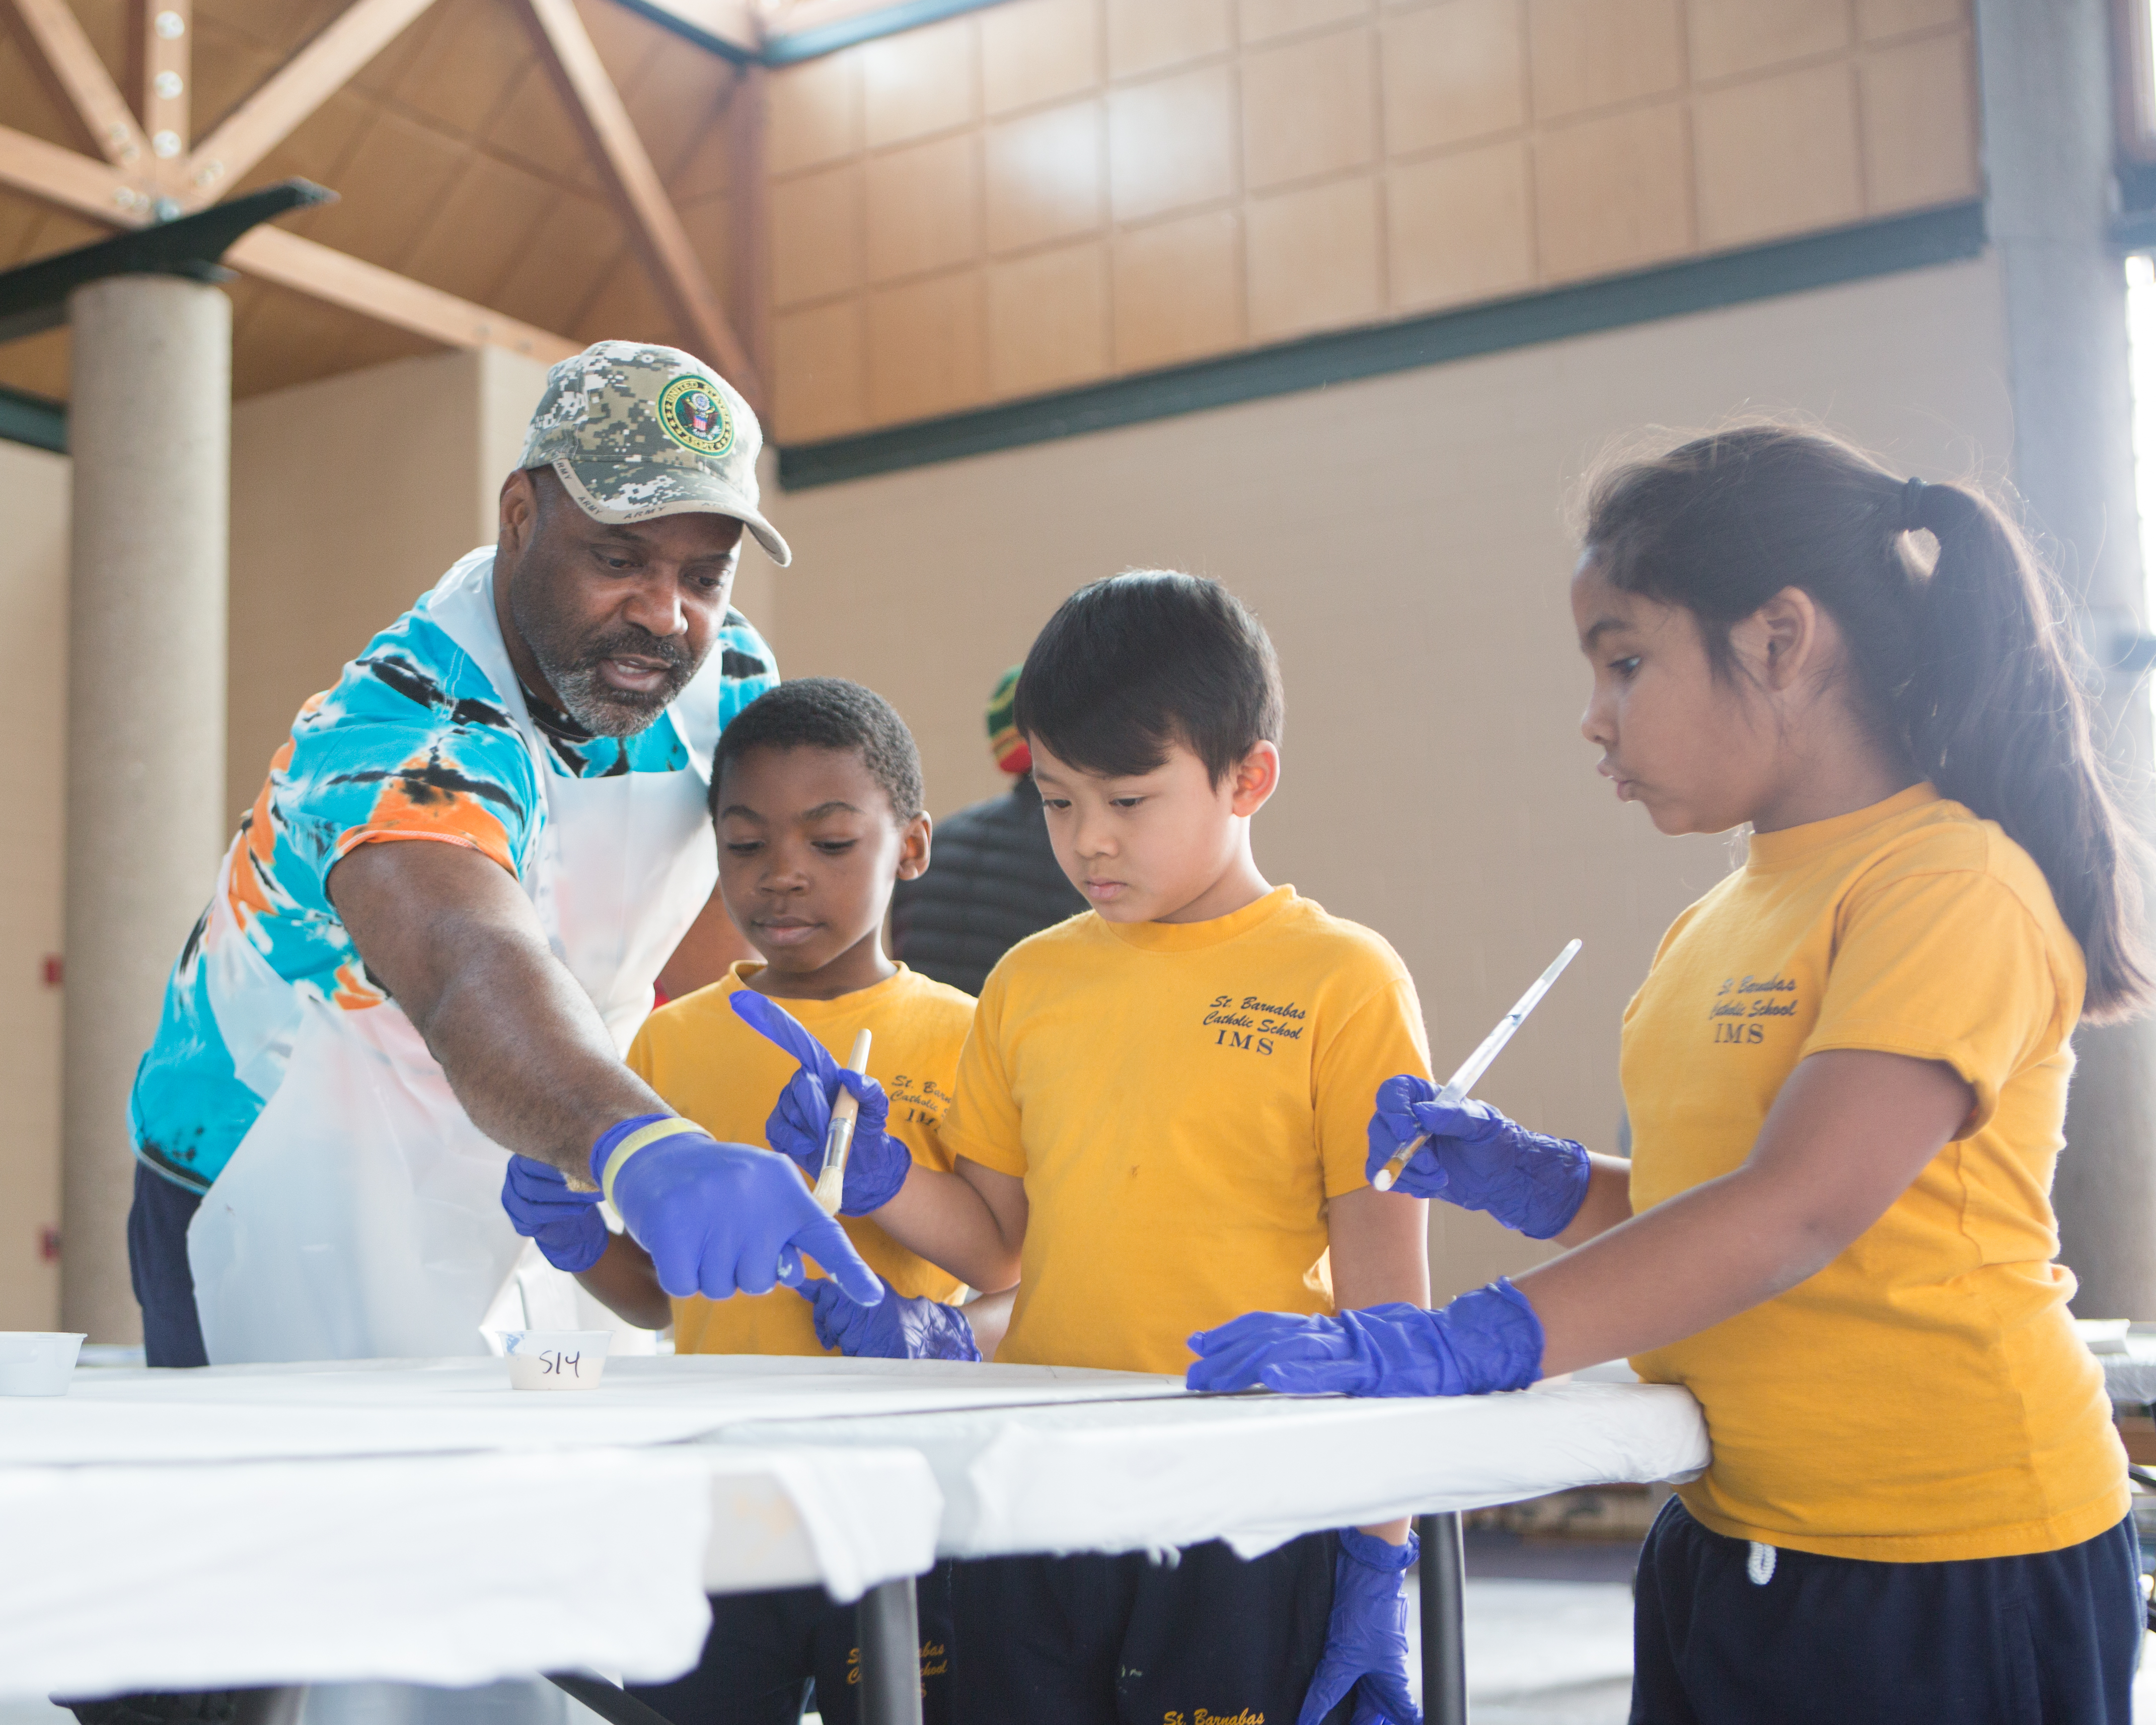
(411,807)
(254,851)
(353,992)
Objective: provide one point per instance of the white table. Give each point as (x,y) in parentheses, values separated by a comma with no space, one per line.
(417,1520)
(1255,1472)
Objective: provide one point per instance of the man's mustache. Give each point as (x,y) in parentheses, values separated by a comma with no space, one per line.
(637,644)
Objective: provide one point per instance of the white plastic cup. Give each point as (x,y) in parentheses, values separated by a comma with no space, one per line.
(37,1362)
(555,1359)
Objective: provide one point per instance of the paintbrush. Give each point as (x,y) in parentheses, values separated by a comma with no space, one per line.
(1476,1064)
(839,1136)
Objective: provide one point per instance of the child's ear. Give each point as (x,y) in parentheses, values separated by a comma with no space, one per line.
(913,848)
(1255,777)
(1782,637)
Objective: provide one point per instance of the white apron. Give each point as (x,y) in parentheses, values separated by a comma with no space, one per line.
(360,1217)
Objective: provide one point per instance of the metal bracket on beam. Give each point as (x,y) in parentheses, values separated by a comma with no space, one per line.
(34,298)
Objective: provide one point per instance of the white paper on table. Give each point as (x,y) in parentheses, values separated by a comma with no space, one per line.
(1257,1470)
(402,1407)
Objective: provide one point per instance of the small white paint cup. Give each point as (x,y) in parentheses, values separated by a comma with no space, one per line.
(555,1359)
(37,1362)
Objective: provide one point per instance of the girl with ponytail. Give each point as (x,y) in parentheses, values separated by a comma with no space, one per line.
(1846,1073)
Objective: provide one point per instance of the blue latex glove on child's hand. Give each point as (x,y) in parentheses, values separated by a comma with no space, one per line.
(900,1328)
(1366,1642)
(877,1163)
(1478,1159)
(719,1219)
(567,1225)
(1489,1339)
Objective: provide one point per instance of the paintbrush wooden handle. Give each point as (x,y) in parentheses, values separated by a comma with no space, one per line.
(1398,1164)
(839,1136)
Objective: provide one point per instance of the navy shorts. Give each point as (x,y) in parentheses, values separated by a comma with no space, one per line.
(764,1649)
(2051,1637)
(1125,1641)
(158,1264)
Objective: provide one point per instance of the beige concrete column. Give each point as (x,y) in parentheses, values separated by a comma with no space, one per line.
(2048,150)
(149,422)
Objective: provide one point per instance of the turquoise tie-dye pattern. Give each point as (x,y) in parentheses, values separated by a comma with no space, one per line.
(413,738)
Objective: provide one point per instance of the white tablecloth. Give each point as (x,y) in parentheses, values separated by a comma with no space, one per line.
(419,1520)
(1256,1471)
(446,1569)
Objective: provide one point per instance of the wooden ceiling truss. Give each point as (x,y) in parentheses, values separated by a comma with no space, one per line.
(632,184)
(147,169)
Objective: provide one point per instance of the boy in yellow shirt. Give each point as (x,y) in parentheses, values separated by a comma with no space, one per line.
(1161,1119)
(816,796)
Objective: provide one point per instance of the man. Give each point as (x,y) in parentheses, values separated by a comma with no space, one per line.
(995,879)
(359,1030)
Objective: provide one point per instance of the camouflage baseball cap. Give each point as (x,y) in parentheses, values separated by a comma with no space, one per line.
(635,431)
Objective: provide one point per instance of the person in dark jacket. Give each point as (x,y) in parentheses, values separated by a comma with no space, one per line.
(994,881)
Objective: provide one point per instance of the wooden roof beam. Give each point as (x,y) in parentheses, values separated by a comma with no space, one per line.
(289,260)
(299,88)
(638,193)
(72,66)
(81,183)
(162,62)
(95,189)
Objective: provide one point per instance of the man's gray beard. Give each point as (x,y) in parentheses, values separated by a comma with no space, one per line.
(605,710)
(572,668)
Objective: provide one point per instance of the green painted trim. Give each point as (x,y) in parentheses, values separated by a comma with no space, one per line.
(866,27)
(725,50)
(33,419)
(1883,247)
(799,45)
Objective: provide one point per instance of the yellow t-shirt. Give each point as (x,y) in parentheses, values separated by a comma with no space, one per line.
(710,1067)
(1181,1099)
(1924,1397)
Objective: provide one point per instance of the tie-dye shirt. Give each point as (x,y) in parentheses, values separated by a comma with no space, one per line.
(413,742)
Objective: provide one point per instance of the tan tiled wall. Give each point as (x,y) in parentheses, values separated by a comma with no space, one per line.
(1414,577)
(1048,192)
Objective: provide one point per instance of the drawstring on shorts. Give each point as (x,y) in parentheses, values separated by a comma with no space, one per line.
(1760,1563)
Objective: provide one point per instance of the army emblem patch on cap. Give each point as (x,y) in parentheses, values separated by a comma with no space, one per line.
(692,414)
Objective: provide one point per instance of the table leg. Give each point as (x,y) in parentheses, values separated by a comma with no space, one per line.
(610,1700)
(1444,1576)
(889,1626)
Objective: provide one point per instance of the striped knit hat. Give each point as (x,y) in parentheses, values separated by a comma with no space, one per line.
(1004,742)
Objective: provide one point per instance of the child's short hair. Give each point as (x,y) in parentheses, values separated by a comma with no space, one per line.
(827,713)
(1130,666)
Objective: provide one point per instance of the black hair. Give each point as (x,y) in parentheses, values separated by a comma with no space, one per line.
(827,713)
(1962,670)
(1132,664)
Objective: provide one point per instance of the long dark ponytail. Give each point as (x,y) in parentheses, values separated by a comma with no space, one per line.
(1962,670)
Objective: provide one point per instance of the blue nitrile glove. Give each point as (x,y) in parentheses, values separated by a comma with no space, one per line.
(1478,1159)
(877,1163)
(567,1225)
(898,1329)
(719,1219)
(1366,1642)
(1489,1339)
